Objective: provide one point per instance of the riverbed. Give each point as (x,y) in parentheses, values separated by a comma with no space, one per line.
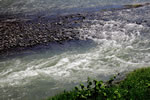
(109,42)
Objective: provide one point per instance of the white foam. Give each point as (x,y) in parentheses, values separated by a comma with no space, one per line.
(118,48)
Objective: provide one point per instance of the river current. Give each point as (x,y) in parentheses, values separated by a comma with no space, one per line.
(118,42)
(57,6)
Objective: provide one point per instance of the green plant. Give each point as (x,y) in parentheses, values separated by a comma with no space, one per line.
(135,87)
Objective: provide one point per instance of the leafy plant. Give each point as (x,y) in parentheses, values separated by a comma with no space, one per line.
(135,87)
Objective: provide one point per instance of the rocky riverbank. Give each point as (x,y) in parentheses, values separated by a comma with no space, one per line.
(27,31)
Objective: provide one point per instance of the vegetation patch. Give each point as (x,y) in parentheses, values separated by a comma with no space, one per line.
(136,86)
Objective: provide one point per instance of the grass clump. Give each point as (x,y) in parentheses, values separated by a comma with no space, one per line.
(136,86)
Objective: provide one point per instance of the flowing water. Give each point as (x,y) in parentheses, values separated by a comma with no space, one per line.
(57,6)
(115,43)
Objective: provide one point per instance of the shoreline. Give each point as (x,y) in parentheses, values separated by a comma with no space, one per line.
(135,85)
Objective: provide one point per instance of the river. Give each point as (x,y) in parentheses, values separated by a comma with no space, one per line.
(117,42)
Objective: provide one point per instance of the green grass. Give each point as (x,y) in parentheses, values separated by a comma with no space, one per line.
(136,86)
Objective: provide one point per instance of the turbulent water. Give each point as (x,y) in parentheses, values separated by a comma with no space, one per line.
(57,6)
(115,43)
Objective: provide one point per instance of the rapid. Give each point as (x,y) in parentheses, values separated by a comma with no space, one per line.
(117,42)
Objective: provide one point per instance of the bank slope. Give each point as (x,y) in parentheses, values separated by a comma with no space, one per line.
(136,86)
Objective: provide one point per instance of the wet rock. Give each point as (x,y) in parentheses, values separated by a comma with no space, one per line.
(139,21)
(24,33)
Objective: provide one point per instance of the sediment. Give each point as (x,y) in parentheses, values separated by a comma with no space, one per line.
(24,33)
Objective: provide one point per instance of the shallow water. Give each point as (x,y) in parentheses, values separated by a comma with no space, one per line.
(57,6)
(115,43)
